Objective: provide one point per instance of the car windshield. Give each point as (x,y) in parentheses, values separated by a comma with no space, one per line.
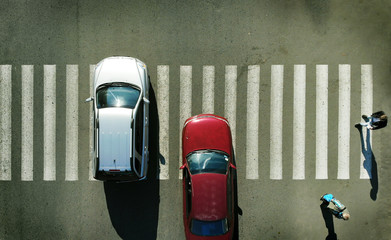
(209,228)
(117,96)
(207,161)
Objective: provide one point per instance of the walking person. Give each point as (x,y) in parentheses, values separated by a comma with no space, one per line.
(376,121)
(339,210)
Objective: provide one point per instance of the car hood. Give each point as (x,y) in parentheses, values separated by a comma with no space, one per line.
(118,69)
(206,132)
(209,193)
(115,138)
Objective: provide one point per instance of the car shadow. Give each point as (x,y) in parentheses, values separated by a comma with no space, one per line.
(134,206)
(238,211)
(329,221)
(370,162)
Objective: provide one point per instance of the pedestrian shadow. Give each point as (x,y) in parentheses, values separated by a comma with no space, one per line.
(329,221)
(369,162)
(134,206)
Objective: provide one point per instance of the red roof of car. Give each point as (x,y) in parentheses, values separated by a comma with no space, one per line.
(209,196)
(206,131)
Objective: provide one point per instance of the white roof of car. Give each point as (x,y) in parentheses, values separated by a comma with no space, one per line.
(118,69)
(115,138)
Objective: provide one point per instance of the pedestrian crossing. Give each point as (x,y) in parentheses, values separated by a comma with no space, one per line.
(163,73)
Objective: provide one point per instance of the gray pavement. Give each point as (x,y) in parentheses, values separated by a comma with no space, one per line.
(198,33)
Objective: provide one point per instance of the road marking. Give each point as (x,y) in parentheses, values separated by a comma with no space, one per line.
(299,88)
(208,83)
(163,101)
(276,112)
(321,121)
(27,148)
(366,108)
(49,123)
(91,159)
(184,104)
(230,99)
(344,122)
(72,123)
(253,79)
(5,121)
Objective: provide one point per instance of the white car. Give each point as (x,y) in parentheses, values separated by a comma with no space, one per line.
(121,115)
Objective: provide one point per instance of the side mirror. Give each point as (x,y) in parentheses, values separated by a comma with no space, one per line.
(146,100)
(89,99)
(232,166)
(183,166)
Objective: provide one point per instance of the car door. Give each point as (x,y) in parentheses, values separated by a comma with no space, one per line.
(187,197)
(139,140)
(145,153)
(146,119)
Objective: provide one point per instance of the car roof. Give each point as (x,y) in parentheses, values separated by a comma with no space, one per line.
(206,131)
(209,198)
(115,139)
(118,69)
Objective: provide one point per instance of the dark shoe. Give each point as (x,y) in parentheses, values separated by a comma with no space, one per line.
(365,117)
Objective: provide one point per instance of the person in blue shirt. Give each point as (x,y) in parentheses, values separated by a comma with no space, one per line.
(376,121)
(339,210)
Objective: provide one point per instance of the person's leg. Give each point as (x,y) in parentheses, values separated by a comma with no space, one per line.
(365,117)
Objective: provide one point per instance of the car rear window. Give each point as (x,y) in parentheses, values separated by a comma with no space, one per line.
(207,161)
(117,96)
(209,228)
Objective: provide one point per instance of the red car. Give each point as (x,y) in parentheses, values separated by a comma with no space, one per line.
(208,170)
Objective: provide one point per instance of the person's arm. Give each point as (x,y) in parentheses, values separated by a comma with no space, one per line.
(340,207)
(379,124)
(377,114)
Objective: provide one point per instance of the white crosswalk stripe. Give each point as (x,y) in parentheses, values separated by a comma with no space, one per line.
(5,124)
(231,74)
(208,83)
(184,104)
(321,121)
(252,122)
(344,122)
(72,125)
(276,104)
(163,102)
(253,91)
(299,121)
(27,153)
(91,113)
(49,123)
(366,108)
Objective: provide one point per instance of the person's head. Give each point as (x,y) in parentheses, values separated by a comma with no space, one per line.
(345,216)
(383,117)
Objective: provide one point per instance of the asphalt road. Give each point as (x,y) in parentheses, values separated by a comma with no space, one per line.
(199,33)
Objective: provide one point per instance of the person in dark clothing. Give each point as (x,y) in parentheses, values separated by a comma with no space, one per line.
(376,121)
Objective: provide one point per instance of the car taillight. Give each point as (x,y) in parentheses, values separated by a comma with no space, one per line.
(114,170)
